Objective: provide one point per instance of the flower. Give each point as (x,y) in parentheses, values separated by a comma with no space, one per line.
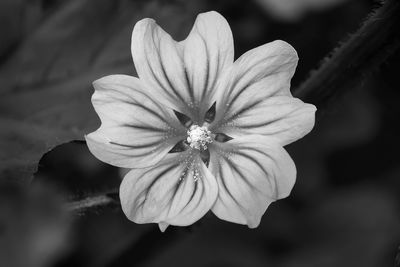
(198,130)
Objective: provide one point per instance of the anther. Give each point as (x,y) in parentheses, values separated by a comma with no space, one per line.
(199,137)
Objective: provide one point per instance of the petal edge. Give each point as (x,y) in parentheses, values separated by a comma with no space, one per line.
(251,172)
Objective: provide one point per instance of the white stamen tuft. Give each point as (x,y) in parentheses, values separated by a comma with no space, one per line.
(199,137)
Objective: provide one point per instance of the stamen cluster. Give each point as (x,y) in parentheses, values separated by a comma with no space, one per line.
(199,137)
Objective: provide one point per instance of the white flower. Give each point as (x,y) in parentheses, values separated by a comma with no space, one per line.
(200,131)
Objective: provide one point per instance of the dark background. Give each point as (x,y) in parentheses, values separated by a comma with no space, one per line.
(343,211)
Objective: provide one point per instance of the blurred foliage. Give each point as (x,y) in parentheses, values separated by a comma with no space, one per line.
(344,208)
(34,229)
(294,10)
(46,81)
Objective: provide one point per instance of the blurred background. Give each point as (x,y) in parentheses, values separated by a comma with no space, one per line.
(343,211)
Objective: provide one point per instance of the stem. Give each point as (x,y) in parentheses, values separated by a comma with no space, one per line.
(91,202)
(355,59)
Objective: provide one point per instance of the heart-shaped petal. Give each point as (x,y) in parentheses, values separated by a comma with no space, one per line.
(208,53)
(183,74)
(136,131)
(282,117)
(251,172)
(177,191)
(260,74)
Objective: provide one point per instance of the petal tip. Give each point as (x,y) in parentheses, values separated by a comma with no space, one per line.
(253,226)
(100,82)
(253,221)
(90,139)
(143,22)
(286,47)
(312,107)
(212,13)
(163,226)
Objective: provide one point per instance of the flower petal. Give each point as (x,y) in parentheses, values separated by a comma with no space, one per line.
(136,131)
(184,74)
(260,73)
(163,226)
(158,62)
(251,172)
(208,52)
(177,191)
(283,117)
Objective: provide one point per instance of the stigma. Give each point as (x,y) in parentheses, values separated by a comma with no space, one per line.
(199,137)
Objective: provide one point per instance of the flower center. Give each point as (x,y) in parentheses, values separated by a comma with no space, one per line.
(199,137)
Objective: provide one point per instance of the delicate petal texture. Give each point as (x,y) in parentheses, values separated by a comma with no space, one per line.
(158,62)
(283,117)
(136,131)
(177,191)
(208,52)
(260,73)
(183,74)
(251,172)
(248,100)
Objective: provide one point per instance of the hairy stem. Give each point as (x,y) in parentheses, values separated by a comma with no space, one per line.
(92,202)
(355,59)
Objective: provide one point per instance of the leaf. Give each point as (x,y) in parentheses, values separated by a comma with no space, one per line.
(353,226)
(46,83)
(294,10)
(33,224)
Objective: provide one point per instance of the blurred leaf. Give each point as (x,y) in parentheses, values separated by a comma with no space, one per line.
(46,83)
(78,173)
(356,226)
(101,236)
(211,244)
(16,18)
(293,10)
(33,228)
(397,259)
(10,23)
